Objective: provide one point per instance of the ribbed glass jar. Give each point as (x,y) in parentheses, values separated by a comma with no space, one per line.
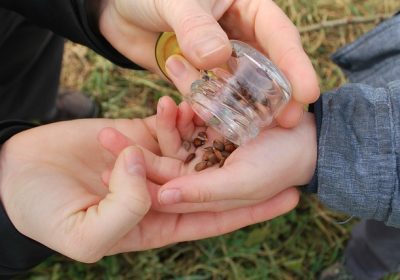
(241,97)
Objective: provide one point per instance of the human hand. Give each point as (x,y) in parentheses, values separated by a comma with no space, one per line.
(265,167)
(203,29)
(274,161)
(56,189)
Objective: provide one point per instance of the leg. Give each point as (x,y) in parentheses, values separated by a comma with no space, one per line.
(373,251)
(31,61)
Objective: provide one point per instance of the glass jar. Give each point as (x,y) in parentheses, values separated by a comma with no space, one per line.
(241,97)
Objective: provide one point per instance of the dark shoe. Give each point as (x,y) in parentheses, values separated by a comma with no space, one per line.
(336,271)
(73,105)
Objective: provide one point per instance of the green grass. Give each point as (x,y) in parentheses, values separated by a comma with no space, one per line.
(297,245)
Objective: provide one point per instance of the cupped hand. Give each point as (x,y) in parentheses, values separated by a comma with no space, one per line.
(266,167)
(276,160)
(55,191)
(203,29)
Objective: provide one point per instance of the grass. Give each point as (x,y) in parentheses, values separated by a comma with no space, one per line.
(295,246)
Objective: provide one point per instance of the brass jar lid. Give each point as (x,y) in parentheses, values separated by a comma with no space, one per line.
(166,45)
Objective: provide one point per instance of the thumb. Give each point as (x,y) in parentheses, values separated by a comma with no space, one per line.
(122,208)
(200,37)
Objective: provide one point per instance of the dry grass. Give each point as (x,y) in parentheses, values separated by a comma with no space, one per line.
(296,246)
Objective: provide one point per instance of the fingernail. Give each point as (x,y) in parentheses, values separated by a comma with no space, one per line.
(175,67)
(134,163)
(209,46)
(170,196)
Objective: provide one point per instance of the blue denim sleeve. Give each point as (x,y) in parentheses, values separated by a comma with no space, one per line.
(358,153)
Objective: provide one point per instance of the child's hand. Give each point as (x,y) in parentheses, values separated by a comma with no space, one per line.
(241,181)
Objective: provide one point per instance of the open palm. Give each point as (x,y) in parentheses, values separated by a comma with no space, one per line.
(55,188)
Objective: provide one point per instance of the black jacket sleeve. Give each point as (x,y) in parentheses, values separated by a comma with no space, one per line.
(72,19)
(18,253)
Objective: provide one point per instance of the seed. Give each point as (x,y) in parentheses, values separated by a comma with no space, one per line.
(234,54)
(207,154)
(218,154)
(218,145)
(261,108)
(201,166)
(186,145)
(210,149)
(190,157)
(202,135)
(213,158)
(209,163)
(229,147)
(225,154)
(197,142)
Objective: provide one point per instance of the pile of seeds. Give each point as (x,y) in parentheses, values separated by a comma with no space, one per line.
(215,154)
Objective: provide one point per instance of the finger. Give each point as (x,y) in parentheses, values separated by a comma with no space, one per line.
(280,39)
(207,186)
(121,209)
(291,114)
(105,177)
(186,227)
(215,206)
(162,169)
(185,124)
(159,169)
(200,37)
(113,140)
(150,123)
(201,225)
(182,73)
(168,135)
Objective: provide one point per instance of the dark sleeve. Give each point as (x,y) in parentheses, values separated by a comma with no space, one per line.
(315,108)
(18,253)
(358,151)
(72,19)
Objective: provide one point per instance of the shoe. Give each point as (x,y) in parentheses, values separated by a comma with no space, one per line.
(71,105)
(336,271)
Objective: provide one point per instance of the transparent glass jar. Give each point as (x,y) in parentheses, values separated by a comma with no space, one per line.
(241,97)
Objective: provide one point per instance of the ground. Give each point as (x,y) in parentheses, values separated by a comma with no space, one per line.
(296,246)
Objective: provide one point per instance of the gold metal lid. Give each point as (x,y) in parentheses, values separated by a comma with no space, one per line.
(166,45)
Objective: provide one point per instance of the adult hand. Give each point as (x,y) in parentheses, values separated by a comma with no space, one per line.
(203,29)
(267,166)
(54,190)
(274,161)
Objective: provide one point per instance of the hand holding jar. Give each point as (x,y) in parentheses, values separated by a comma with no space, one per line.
(203,30)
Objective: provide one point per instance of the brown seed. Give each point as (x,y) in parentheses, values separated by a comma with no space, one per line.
(218,154)
(218,145)
(209,163)
(213,158)
(202,135)
(245,94)
(225,154)
(234,54)
(210,149)
(230,147)
(207,155)
(221,163)
(186,145)
(190,157)
(201,166)
(197,142)
(261,108)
